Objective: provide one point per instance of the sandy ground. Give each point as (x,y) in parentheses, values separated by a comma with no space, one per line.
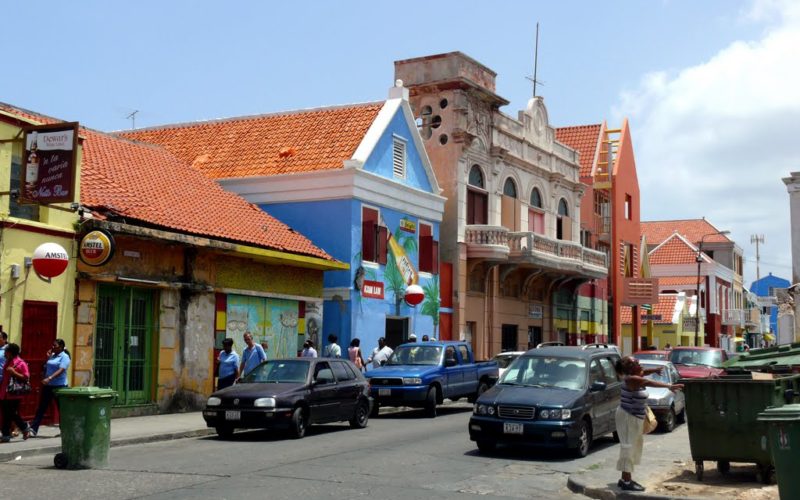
(740,483)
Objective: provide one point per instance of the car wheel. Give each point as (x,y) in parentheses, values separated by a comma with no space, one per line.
(669,420)
(299,423)
(60,460)
(482,387)
(584,439)
(682,416)
(224,431)
(430,403)
(361,415)
(486,447)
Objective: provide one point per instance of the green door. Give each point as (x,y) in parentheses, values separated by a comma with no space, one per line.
(124,342)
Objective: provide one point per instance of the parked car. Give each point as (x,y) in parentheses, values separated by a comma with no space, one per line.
(505,358)
(654,355)
(292,394)
(422,375)
(558,397)
(698,362)
(669,407)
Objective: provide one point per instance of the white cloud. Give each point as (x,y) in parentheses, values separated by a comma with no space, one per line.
(715,139)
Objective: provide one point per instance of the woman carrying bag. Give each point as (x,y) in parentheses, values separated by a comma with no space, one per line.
(15,385)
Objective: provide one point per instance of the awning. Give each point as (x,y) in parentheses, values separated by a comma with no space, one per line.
(769,337)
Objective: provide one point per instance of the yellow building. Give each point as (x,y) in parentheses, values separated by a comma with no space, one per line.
(670,322)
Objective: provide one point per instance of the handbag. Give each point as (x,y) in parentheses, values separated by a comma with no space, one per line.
(650,422)
(18,387)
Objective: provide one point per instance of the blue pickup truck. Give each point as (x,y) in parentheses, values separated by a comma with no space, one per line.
(423,374)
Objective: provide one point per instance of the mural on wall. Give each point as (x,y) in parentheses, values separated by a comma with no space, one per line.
(313,322)
(273,320)
(430,306)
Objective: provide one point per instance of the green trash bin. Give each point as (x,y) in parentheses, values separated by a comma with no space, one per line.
(784,442)
(85,427)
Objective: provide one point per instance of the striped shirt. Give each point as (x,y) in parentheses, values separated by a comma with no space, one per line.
(633,402)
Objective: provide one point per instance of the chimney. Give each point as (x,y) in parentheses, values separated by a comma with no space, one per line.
(398,91)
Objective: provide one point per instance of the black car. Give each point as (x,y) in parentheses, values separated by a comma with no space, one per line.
(291,394)
(560,397)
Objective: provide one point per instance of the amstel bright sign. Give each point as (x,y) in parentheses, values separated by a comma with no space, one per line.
(97,248)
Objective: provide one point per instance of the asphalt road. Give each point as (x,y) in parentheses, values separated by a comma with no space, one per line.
(398,456)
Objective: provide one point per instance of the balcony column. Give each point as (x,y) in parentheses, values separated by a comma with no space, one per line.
(636,318)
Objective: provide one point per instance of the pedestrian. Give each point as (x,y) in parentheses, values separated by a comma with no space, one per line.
(227,365)
(15,370)
(668,346)
(265,346)
(252,356)
(333,350)
(425,338)
(630,417)
(380,354)
(354,353)
(413,338)
(55,378)
(308,350)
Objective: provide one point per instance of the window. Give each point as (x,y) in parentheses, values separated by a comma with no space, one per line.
(428,250)
(477,198)
(610,372)
(509,338)
(341,372)
(535,213)
(536,198)
(464,353)
(510,208)
(323,374)
(563,222)
(374,237)
(509,188)
(399,157)
(15,209)
(628,207)
(596,373)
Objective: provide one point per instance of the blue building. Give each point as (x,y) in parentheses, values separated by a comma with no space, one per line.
(357,181)
(765,290)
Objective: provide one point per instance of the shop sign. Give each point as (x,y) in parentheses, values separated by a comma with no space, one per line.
(372,289)
(651,317)
(535,311)
(50,260)
(50,164)
(97,248)
(408,226)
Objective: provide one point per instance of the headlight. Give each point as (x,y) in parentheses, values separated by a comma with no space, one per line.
(213,401)
(264,403)
(412,381)
(555,414)
(490,410)
(658,402)
(480,409)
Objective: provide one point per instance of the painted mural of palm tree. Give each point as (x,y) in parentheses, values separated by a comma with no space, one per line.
(430,307)
(392,276)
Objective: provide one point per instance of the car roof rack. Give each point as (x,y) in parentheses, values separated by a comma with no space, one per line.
(550,344)
(595,346)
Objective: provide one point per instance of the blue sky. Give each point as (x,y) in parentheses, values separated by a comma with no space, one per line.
(175,61)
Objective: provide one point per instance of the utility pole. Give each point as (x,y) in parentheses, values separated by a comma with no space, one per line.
(132,118)
(534,80)
(757,238)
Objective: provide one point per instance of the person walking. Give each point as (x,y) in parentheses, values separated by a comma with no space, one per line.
(55,378)
(630,417)
(16,369)
(354,353)
(252,356)
(227,365)
(308,350)
(333,350)
(380,354)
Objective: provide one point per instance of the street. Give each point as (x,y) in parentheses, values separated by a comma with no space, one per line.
(399,455)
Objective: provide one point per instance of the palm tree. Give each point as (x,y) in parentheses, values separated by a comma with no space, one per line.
(430,307)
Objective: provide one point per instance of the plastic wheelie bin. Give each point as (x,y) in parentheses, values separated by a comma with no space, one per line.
(85,427)
(722,415)
(784,442)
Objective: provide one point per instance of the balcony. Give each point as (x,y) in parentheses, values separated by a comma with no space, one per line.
(733,317)
(752,318)
(487,242)
(567,256)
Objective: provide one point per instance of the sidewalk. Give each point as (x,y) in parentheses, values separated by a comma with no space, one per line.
(667,471)
(124,431)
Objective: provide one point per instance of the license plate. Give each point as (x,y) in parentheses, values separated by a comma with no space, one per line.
(384,392)
(511,428)
(233,415)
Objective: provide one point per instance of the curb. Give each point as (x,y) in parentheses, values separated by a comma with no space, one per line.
(605,493)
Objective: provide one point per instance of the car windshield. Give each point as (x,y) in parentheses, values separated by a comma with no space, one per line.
(278,371)
(503,360)
(650,355)
(691,357)
(541,371)
(658,377)
(416,355)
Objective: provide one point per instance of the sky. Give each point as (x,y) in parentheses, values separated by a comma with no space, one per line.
(711,88)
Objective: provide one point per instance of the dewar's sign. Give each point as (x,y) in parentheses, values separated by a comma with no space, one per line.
(50,162)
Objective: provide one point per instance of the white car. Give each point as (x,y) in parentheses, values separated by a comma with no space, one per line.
(669,407)
(505,358)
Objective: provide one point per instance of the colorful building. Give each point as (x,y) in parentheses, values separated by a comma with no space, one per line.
(357,180)
(765,289)
(669,322)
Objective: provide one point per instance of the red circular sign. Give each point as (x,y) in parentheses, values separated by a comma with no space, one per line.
(50,260)
(414,295)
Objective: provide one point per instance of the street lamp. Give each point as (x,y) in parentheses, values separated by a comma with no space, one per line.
(699,260)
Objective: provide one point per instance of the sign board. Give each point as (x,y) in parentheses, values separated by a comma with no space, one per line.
(651,317)
(408,226)
(97,248)
(639,291)
(689,324)
(372,289)
(535,311)
(51,161)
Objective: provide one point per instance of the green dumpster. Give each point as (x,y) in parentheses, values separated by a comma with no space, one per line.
(85,427)
(784,441)
(722,415)
(783,358)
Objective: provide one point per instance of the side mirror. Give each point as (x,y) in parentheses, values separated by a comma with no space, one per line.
(598,386)
(450,362)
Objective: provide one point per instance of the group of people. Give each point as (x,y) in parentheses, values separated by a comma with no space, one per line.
(230,367)
(15,385)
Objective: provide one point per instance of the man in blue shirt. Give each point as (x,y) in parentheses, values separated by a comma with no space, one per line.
(252,356)
(3,342)
(228,361)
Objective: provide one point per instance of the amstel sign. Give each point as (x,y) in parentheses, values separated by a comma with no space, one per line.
(97,248)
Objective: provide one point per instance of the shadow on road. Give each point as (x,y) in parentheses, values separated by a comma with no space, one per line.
(269,435)
(538,454)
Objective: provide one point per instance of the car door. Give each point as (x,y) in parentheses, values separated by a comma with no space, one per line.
(613,391)
(469,372)
(323,397)
(453,375)
(680,397)
(599,398)
(347,389)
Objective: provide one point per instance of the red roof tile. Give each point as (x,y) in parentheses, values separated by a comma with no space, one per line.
(673,251)
(583,138)
(665,308)
(691,229)
(273,144)
(677,280)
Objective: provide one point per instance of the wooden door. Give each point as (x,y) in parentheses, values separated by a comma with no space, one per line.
(39,330)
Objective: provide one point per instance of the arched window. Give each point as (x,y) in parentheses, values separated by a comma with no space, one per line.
(563,209)
(509,188)
(535,213)
(476,177)
(477,198)
(563,222)
(536,198)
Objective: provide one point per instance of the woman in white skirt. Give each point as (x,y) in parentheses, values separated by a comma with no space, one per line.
(630,417)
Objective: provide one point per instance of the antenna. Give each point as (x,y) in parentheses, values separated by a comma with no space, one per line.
(534,80)
(132,118)
(757,238)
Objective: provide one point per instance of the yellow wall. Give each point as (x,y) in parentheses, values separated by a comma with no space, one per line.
(673,334)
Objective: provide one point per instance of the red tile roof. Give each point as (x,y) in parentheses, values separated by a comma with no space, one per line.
(673,251)
(665,307)
(677,280)
(281,143)
(691,229)
(583,138)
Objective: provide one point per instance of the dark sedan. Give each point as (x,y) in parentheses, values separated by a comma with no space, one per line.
(291,394)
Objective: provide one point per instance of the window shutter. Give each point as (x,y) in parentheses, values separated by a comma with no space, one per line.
(368,241)
(380,245)
(435,257)
(399,158)
(425,254)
